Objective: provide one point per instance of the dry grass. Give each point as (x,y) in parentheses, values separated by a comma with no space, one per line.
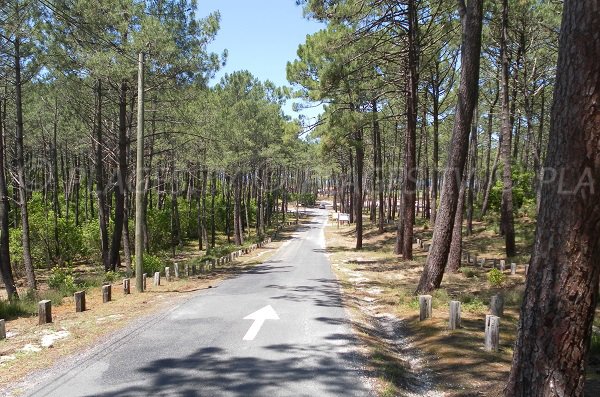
(375,281)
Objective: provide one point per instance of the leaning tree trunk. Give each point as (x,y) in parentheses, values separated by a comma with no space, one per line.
(433,272)
(25,239)
(507,218)
(456,244)
(560,299)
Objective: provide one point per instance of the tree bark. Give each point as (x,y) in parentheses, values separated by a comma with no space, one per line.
(100,188)
(121,186)
(410,166)
(561,294)
(507,218)
(5,266)
(25,239)
(433,272)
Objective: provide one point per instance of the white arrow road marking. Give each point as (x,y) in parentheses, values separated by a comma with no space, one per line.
(259,317)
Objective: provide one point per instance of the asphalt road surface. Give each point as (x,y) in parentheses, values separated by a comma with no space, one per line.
(277,330)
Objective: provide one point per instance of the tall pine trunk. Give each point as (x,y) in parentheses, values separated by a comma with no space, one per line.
(507,218)
(561,294)
(25,239)
(5,267)
(410,167)
(471,18)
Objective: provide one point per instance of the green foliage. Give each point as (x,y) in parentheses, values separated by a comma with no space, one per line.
(472,304)
(468,272)
(90,236)
(151,264)
(27,305)
(307,199)
(523,193)
(595,344)
(111,277)
(496,277)
(61,279)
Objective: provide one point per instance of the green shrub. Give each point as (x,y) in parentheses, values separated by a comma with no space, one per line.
(496,277)
(150,263)
(61,279)
(111,277)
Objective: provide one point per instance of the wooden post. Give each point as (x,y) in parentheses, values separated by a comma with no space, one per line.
(206,266)
(139,180)
(167,273)
(176,270)
(502,264)
(526,269)
(156,279)
(475,260)
(2,329)
(425,307)
(193,270)
(44,312)
(495,263)
(492,332)
(144,277)
(213,264)
(126,286)
(513,269)
(106,293)
(497,305)
(454,321)
(79,301)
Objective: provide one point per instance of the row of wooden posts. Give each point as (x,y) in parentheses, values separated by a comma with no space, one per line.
(473,259)
(45,306)
(492,320)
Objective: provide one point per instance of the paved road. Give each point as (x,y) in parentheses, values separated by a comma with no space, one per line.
(197,349)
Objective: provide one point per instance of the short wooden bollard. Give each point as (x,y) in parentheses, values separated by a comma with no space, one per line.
(424,307)
(205,267)
(492,332)
(513,269)
(482,262)
(79,301)
(126,286)
(454,321)
(502,265)
(44,312)
(186,270)
(526,269)
(156,279)
(193,270)
(495,264)
(497,305)
(213,264)
(475,260)
(2,329)
(167,273)
(176,269)
(144,277)
(106,293)
(426,247)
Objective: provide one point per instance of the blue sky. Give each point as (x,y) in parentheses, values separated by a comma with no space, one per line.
(261,36)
